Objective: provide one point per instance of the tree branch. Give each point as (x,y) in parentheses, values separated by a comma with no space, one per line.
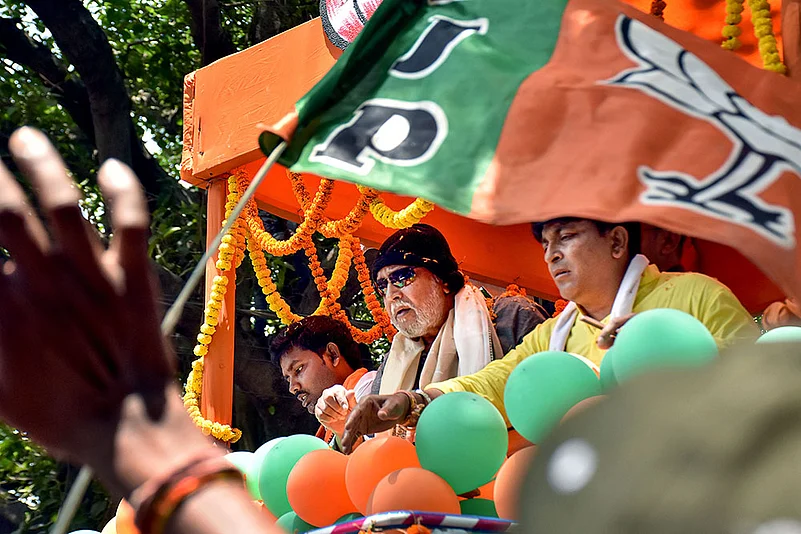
(213,41)
(86,46)
(68,90)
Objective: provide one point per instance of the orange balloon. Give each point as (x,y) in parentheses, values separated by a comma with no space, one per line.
(316,488)
(582,405)
(372,461)
(125,519)
(413,488)
(508,482)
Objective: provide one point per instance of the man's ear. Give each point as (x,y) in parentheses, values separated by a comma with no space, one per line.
(671,242)
(619,238)
(332,354)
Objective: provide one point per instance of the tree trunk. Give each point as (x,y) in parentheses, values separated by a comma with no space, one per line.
(85,45)
(210,37)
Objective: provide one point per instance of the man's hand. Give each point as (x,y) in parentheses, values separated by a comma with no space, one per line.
(374,413)
(607,336)
(83,366)
(333,407)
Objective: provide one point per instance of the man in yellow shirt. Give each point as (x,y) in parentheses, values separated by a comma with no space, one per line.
(595,266)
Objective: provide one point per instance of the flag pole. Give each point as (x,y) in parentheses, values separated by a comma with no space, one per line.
(78,489)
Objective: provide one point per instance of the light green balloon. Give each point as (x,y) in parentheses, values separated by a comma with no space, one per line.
(479,507)
(541,390)
(276,466)
(608,379)
(293,524)
(783,334)
(660,339)
(254,470)
(462,438)
(242,460)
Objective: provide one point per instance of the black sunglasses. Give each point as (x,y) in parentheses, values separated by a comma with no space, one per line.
(399,278)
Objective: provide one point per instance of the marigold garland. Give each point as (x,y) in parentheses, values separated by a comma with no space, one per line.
(411,214)
(248,232)
(763,29)
(731,30)
(230,254)
(559,307)
(335,228)
(658,9)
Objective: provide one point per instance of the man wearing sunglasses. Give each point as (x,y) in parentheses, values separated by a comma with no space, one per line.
(596,266)
(323,367)
(444,327)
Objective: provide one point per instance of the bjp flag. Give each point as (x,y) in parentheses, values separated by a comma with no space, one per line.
(518,111)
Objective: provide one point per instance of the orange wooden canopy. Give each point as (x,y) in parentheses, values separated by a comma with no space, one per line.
(224,103)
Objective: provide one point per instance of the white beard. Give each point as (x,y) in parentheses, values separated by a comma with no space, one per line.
(429,314)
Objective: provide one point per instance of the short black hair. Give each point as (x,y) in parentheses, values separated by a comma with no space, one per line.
(314,333)
(603,227)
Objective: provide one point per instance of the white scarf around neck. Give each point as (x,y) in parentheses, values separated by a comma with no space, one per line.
(465,344)
(624,302)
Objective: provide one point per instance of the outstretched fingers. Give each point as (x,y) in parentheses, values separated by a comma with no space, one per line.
(130,220)
(57,193)
(21,232)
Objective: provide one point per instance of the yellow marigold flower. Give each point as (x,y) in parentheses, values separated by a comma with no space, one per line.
(212,320)
(731,44)
(731,31)
(206,329)
(221,280)
(203,339)
(201,350)
(223,265)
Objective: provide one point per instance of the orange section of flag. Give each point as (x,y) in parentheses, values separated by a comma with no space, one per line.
(624,124)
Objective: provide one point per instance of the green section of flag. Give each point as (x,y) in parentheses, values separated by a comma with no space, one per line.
(474,87)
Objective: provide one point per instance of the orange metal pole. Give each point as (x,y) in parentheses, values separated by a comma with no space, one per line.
(216,401)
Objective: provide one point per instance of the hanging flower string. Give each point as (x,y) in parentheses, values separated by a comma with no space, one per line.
(230,254)
(411,214)
(658,9)
(249,233)
(731,31)
(763,29)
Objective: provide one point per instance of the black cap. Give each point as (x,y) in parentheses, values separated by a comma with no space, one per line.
(420,245)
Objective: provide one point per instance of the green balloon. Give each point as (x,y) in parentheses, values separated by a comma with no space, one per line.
(242,460)
(462,438)
(276,466)
(292,524)
(254,470)
(783,334)
(541,390)
(479,507)
(349,517)
(660,339)
(608,379)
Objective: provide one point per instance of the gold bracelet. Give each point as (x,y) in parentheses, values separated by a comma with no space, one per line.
(415,410)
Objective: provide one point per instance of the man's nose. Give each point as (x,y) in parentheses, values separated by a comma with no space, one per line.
(391,292)
(294,386)
(553,254)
